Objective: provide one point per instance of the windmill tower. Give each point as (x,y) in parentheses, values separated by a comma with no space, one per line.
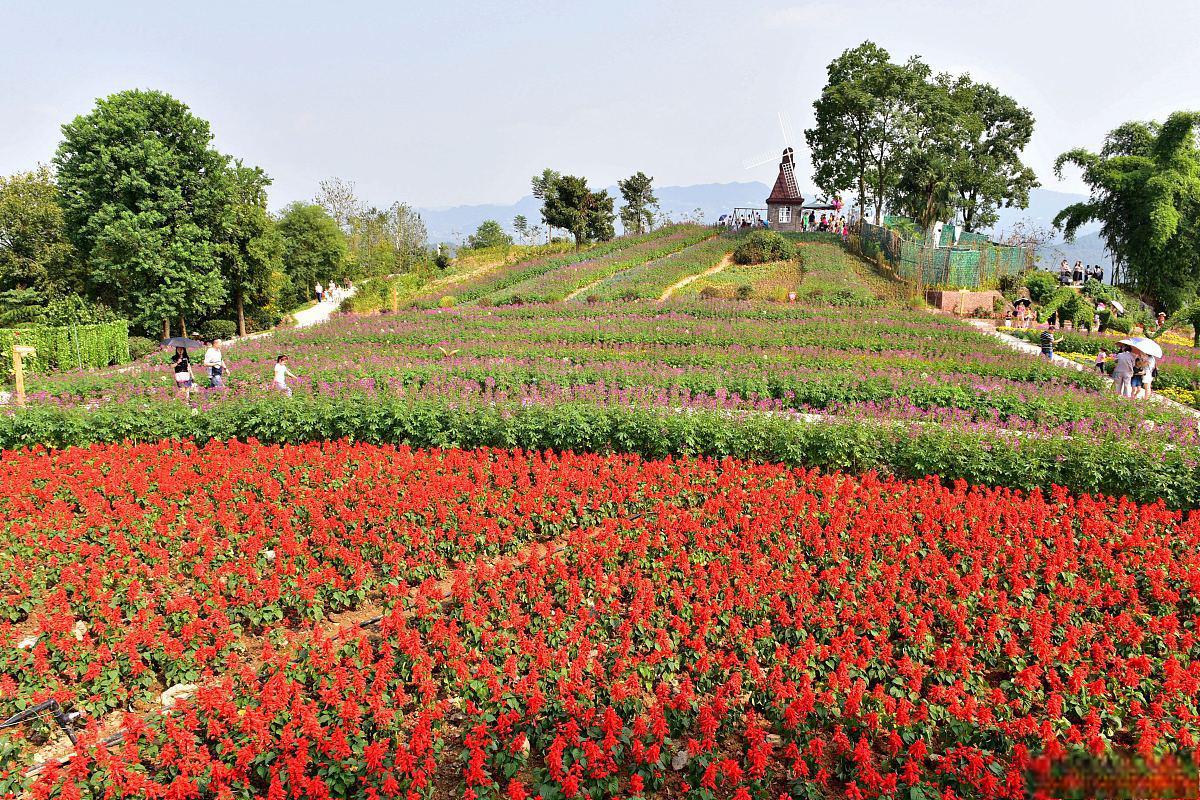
(785,202)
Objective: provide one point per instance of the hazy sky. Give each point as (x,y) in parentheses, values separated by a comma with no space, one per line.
(445,102)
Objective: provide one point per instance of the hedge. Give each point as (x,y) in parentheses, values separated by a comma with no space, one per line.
(1111,466)
(67,346)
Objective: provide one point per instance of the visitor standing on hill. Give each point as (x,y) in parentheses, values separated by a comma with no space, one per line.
(1122,374)
(1048,341)
(1077,272)
(214,362)
(282,373)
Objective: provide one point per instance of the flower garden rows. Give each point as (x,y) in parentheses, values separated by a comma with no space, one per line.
(724,628)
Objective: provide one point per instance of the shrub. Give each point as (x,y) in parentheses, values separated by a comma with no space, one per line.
(1041,285)
(710,293)
(140,346)
(447,301)
(760,247)
(67,346)
(744,292)
(217,329)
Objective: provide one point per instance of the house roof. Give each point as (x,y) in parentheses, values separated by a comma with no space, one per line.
(785,190)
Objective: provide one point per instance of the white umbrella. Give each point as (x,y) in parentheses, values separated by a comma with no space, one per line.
(1120,308)
(1147,346)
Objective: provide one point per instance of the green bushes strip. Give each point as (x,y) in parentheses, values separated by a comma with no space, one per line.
(1110,466)
(67,346)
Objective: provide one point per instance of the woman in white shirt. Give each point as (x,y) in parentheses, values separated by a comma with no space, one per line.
(1122,374)
(282,373)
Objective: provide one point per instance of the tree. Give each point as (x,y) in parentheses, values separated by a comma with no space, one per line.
(932,147)
(989,172)
(637,215)
(1145,193)
(314,249)
(337,196)
(570,204)
(34,252)
(543,187)
(143,196)
(521,226)
(251,249)
(488,234)
(861,124)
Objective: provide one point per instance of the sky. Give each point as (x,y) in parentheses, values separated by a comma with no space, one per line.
(449,103)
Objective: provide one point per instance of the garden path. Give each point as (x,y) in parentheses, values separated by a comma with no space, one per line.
(725,262)
(1032,349)
(320,312)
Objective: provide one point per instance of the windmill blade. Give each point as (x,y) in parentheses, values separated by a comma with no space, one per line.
(785,127)
(765,158)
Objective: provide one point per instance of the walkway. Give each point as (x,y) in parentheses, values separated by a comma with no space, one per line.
(1032,349)
(725,262)
(319,312)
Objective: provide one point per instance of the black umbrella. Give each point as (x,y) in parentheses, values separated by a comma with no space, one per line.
(180,341)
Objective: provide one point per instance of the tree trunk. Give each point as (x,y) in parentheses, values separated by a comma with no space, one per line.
(166,328)
(241,312)
(182,327)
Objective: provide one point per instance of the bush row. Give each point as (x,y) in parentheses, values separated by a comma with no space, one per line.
(1113,466)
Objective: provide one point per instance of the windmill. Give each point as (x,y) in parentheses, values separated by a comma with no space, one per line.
(785,203)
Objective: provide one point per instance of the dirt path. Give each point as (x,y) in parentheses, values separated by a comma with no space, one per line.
(320,312)
(725,262)
(583,289)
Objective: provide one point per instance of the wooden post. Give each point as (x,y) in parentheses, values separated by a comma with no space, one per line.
(395,300)
(19,353)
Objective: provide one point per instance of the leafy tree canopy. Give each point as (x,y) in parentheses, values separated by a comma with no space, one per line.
(488,234)
(143,195)
(1145,193)
(251,250)
(314,249)
(34,251)
(569,203)
(641,206)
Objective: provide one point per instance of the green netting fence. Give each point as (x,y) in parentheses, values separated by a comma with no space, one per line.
(66,346)
(971,263)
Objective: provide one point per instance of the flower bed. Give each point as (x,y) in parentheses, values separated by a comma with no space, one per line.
(364,620)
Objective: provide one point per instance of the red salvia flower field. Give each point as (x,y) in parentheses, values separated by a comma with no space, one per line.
(373,621)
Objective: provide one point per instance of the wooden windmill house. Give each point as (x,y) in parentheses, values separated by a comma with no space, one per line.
(785,203)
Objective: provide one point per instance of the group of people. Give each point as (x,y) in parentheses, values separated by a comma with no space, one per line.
(1133,371)
(1079,274)
(216,368)
(330,292)
(834,223)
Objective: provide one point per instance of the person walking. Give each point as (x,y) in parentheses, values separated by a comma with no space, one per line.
(1048,341)
(1101,358)
(1138,380)
(282,373)
(320,292)
(182,368)
(1122,373)
(214,362)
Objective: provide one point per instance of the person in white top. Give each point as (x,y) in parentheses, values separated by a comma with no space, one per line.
(1148,377)
(320,292)
(1122,374)
(282,373)
(214,362)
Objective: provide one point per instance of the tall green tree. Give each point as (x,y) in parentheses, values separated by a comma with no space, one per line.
(1145,193)
(488,234)
(34,252)
(932,147)
(586,214)
(521,226)
(861,124)
(989,172)
(251,250)
(143,196)
(542,187)
(637,215)
(314,250)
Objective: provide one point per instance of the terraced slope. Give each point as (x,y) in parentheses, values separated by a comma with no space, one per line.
(650,280)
